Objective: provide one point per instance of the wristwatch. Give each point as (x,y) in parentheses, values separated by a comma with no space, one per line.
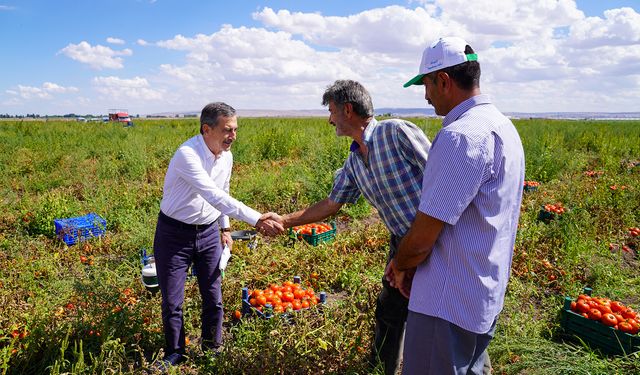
(225,229)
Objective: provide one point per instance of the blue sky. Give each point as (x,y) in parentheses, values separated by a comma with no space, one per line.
(156,56)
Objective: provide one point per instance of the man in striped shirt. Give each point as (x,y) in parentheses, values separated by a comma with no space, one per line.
(463,235)
(385,166)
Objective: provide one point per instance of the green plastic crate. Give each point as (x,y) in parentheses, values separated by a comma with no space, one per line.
(313,238)
(596,334)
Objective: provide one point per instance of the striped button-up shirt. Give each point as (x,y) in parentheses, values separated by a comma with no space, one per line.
(391,179)
(476,174)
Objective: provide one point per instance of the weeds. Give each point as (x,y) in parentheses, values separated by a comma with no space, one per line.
(83,309)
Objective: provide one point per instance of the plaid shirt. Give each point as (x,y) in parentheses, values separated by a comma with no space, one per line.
(392,179)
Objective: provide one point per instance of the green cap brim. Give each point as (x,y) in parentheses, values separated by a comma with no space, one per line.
(417,80)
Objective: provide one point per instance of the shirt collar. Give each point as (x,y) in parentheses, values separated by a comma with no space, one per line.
(463,107)
(204,148)
(366,136)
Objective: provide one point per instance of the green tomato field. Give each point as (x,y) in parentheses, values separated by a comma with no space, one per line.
(83,309)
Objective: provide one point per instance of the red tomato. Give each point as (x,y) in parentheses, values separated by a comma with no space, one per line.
(262,300)
(629,314)
(237,314)
(305,304)
(584,297)
(609,319)
(297,305)
(604,309)
(617,306)
(634,323)
(619,317)
(298,293)
(288,297)
(625,327)
(594,314)
(574,306)
(583,307)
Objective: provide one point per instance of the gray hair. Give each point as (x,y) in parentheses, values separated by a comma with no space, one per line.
(212,111)
(348,91)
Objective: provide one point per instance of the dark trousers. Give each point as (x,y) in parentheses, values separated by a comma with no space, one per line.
(175,248)
(391,315)
(436,346)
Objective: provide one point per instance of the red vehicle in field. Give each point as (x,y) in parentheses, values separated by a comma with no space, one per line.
(120,115)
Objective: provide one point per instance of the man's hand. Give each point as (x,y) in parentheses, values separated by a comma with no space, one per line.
(227,240)
(270,224)
(401,280)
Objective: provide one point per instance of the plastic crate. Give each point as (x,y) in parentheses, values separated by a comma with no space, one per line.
(595,334)
(313,238)
(76,229)
(546,216)
(248,310)
(530,186)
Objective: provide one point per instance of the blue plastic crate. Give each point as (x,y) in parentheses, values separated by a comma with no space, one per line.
(76,229)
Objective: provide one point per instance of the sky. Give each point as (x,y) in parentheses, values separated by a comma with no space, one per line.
(154,56)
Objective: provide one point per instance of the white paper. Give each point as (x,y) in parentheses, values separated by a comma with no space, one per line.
(224,259)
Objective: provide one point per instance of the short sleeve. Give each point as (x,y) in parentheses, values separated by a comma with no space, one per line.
(344,188)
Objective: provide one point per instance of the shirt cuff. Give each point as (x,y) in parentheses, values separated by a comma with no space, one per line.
(223,221)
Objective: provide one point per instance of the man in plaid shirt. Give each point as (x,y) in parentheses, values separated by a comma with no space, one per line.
(385,165)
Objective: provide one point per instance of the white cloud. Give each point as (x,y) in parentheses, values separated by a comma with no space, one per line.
(388,30)
(97,57)
(620,27)
(535,56)
(6,7)
(135,89)
(46,91)
(113,40)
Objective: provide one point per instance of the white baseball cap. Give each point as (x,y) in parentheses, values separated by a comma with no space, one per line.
(443,53)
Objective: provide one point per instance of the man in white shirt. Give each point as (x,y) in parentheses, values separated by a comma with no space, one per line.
(195,209)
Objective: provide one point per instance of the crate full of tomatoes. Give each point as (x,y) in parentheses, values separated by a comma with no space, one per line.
(607,325)
(530,186)
(278,299)
(551,212)
(315,233)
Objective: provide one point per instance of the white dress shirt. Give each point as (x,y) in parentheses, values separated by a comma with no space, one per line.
(196,187)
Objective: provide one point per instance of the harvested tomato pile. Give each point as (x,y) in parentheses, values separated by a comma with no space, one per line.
(289,296)
(531,184)
(308,228)
(554,208)
(610,313)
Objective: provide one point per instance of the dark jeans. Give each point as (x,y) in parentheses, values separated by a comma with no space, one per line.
(391,315)
(174,250)
(436,346)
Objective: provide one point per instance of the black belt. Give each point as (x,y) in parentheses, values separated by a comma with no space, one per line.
(180,225)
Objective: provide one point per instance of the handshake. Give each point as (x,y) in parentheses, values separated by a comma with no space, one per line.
(271,224)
